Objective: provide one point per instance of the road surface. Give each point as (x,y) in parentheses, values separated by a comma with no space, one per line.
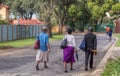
(21,62)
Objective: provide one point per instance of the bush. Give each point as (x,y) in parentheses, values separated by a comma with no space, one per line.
(4,22)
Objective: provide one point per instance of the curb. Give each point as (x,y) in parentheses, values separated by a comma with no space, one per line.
(101,66)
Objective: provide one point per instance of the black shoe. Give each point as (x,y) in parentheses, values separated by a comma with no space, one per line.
(65,71)
(46,66)
(37,68)
(86,69)
(71,69)
(92,68)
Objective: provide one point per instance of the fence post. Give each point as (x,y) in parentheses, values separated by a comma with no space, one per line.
(25,31)
(12,32)
(32,31)
(35,30)
(29,31)
(20,32)
(7,32)
(16,31)
(1,33)
(38,29)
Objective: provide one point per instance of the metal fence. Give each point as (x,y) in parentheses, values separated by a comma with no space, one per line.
(9,32)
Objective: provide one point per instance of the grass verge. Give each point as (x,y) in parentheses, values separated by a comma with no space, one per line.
(118,42)
(112,68)
(25,42)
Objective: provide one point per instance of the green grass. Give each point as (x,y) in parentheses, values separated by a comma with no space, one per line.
(118,42)
(26,42)
(112,68)
(56,37)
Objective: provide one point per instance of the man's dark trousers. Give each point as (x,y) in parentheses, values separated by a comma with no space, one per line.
(89,58)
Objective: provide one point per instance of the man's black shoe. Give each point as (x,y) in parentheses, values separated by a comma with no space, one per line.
(71,69)
(92,68)
(65,71)
(46,66)
(37,68)
(86,69)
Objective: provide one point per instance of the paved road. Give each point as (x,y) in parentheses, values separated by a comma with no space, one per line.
(21,62)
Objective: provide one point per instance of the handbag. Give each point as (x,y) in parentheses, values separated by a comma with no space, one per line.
(63,43)
(82,45)
(37,44)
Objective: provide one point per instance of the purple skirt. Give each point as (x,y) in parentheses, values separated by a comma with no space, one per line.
(68,54)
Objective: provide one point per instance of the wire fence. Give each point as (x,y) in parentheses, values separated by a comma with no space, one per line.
(9,32)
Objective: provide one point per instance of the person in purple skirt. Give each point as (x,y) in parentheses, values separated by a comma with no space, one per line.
(68,52)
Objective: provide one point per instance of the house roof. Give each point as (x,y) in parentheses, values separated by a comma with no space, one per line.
(27,22)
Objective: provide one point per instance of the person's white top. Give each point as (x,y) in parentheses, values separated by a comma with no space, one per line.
(70,40)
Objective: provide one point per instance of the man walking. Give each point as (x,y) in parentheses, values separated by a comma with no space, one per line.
(110,34)
(44,50)
(90,45)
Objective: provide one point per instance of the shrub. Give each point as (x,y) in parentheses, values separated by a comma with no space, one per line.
(4,22)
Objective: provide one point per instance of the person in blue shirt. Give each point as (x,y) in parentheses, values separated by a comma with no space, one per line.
(44,50)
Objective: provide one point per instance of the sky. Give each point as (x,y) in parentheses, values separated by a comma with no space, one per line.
(11,16)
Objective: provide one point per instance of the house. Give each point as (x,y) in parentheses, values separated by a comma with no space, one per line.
(117,26)
(4,15)
(33,21)
(4,12)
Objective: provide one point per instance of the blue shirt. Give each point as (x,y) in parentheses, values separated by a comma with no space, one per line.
(44,40)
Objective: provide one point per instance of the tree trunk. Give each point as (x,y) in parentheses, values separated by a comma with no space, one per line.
(49,26)
(60,27)
(49,30)
(101,20)
(31,14)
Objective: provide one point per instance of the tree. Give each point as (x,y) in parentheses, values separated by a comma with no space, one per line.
(61,12)
(66,12)
(116,10)
(29,7)
(80,14)
(45,12)
(98,10)
(75,13)
(24,8)
(2,1)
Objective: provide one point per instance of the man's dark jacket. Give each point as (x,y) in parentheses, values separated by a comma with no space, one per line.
(90,41)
